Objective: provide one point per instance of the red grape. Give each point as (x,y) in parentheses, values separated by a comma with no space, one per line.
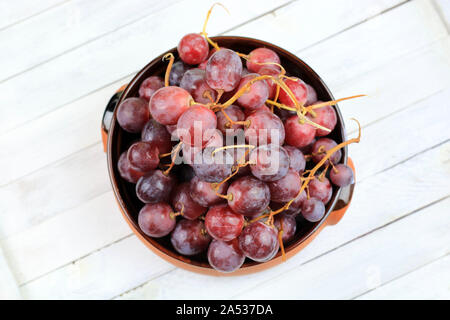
(193,48)
(298,88)
(132,114)
(205,62)
(245,72)
(155,219)
(172,129)
(202,66)
(250,112)
(341,175)
(194,82)
(265,128)
(154,187)
(223,224)
(285,188)
(261,55)
(241,156)
(311,95)
(157,135)
(297,134)
(313,210)
(149,86)
(308,149)
(126,171)
(269,162)
(204,193)
(190,78)
(183,202)
(256,95)
(326,117)
(321,146)
(177,72)
(235,113)
(288,224)
(213,167)
(294,208)
(259,242)
(223,70)
(168,104)
(143,156)
(270,70)
(296,158)
(320,189)
(190,237)
(190,153)
(196,125)
(225,256)
(249,196)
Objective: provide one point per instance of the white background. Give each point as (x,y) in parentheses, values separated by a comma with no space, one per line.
(61,232)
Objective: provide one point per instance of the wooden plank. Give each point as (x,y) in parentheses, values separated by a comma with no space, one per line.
(79,117)
(429,282)
(304,23)
(73,233)
(73,24)
(112,57)
(367,263)
(62,186)
(401,135)
(59,134)
(375,42)
(8,285)
(100,274)
(422,174)
(389,94)
(12,12)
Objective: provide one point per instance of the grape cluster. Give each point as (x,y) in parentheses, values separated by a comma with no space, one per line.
(232,152)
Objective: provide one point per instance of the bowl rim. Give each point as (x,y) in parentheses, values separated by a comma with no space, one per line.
(170,255)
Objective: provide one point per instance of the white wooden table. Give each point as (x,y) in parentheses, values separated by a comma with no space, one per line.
(61,233)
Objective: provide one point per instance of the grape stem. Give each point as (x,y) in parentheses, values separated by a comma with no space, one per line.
(175,150)
(233,147)
(239,165)
(311,173)
(171,58)
(229,197)
(280,240)
(281,75)
(219,95)
(330,103)
(245,87)
(324,172)
(207,94)
(204,33)
(230,122)
(334,167)
(242,90)
(301,118)
(243,55)
(179,213)
(162,155)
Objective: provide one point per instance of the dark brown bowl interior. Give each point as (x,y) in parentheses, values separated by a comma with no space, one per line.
(119,140)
